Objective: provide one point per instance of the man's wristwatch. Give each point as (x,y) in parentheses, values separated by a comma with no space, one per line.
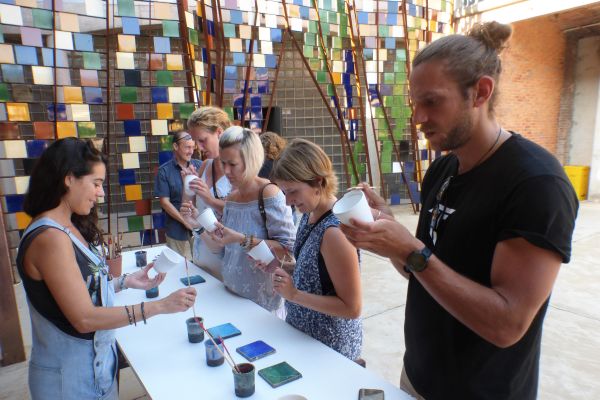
(417,260)
(197,231)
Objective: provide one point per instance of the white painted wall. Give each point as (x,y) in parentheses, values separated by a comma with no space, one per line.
(584,138)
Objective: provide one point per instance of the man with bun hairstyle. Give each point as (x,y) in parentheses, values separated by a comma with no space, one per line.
(496,223)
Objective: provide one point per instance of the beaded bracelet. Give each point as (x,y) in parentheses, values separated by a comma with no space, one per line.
(133,312)
(143,314)
(128,315)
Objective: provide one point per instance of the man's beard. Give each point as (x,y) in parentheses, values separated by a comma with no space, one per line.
(459,134)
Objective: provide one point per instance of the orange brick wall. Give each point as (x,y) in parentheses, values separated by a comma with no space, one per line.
(532,80)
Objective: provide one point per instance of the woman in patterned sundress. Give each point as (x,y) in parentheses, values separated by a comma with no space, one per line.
(323,295)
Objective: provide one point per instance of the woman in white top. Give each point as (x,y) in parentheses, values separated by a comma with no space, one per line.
(206,125)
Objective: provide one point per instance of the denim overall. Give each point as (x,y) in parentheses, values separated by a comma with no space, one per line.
(66,367)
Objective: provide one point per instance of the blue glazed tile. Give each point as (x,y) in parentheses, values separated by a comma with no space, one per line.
(61,111)
(12,73)
(256,101)
(236,17)
(275,35)
(132,78)
(210,27)
(132,127)
(162,45)
(93,95)
(126,177)
(35,148)
(158,220)
(26,55)
(147,237)
(395,199)
(164,156)
(230,72)
(414,191)
(84,42)
(160,95)
(131,26)
(239,59)
(270,61)
(363,17)
(14,202)
(263,87)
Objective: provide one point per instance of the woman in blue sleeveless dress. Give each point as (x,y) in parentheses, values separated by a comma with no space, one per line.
(323,294)
(69,291)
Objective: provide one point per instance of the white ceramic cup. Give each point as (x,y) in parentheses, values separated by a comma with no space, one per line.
(186,184)
(292,397)
(207,219)
(353,205)
(261,252)
(166,260)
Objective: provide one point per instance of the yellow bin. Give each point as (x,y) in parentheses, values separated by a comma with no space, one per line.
(579,175)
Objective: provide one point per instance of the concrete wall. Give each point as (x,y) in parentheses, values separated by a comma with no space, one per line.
(584,138)
(532,81)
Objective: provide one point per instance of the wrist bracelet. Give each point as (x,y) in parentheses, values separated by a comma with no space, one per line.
(133,312)
(196,232)
(128,315)
(122,282)
(143,314)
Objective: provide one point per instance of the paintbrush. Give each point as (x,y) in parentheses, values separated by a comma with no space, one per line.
(360,188)
(231,363)
(187,273)
(225,347)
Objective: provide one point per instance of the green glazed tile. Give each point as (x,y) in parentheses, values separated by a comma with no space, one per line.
(193,36)
(170,28)
(4,96)
(310,39)
(383,30)
(312,27)
(229,111)
(229,30)
(42,18)
(164,78)
(128,94)
(186,109)
(126,8)
(166,143)
(321,77)
(86,129)
(388,78)
(135,223)
(308,51)
(91,60)
(330,90)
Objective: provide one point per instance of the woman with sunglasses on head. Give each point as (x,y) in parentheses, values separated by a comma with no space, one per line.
(206,125)
(69,291)
(242,226)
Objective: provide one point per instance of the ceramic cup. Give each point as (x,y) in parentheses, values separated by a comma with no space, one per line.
(186,184)
(166,260)
(261,252)
(243,381)
(353,205)
(152,293)
(140,258)
(214,357)
(207,219)
(194,330)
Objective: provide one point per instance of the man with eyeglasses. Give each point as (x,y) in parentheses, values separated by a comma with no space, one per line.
(168,187)
(496,223)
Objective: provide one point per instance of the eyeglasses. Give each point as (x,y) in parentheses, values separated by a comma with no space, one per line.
(436,214)
(187,136)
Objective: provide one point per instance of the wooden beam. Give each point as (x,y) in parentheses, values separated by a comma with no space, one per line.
(11,338)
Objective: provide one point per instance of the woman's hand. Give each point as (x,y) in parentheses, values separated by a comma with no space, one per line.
(224,235)
(178,301)
(190,214)
(201,189)
(141,280)
(282,284)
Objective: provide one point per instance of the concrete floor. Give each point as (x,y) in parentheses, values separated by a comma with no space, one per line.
(570,363)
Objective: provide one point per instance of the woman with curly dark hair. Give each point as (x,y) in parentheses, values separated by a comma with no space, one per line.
(69,291)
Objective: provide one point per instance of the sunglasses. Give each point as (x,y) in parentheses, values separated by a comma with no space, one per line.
(187,136)
(437,214)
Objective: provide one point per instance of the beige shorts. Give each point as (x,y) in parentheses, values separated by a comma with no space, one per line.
(183,247)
